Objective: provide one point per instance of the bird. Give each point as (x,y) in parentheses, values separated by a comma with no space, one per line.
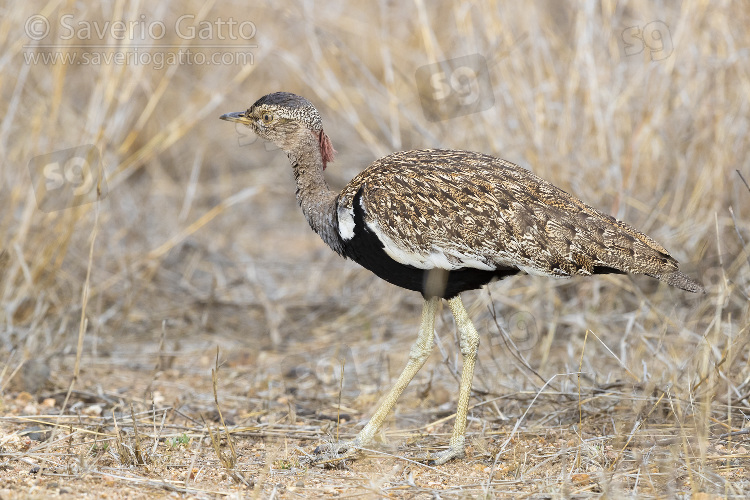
(444,221)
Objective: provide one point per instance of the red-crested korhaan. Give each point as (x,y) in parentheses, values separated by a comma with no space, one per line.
(440,222)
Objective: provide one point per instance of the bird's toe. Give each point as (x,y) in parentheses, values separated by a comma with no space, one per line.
(444,456)
(334,454)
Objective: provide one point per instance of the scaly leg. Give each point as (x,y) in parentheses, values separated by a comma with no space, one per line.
(469,340)
(418,354)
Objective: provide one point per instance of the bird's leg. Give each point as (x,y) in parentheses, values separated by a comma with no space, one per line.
(469,341)
(418,354)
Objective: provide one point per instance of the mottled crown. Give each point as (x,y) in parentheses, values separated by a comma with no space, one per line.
(293,107)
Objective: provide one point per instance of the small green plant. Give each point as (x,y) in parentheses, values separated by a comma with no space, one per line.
(283,464)
(178,441)
(97,447)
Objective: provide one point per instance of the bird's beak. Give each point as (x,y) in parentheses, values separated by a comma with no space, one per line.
(238,117)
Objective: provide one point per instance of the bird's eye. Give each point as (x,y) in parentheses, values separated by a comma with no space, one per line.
(267,117)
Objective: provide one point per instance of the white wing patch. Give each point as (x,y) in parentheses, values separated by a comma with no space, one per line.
(473,262)
(437,258)
(397,253)
(346,222)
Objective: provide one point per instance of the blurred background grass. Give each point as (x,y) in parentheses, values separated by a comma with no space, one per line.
(656,140)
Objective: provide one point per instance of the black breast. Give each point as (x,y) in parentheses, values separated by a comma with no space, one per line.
(366,249)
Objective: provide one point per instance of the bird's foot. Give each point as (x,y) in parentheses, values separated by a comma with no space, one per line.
(444,456)
(333,455)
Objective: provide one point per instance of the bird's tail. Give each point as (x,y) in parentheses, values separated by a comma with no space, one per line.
(679,280)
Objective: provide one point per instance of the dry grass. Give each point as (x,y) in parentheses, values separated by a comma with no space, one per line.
(113,311)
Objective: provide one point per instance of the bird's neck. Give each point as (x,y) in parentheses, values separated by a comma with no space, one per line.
(316,199)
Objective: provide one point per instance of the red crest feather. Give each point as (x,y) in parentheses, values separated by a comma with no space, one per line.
(326,148)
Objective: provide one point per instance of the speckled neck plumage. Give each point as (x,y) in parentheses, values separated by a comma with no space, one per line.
(317,200)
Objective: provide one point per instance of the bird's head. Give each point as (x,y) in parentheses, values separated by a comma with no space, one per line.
(289,121)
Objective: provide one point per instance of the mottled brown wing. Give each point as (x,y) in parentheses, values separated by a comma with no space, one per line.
(453,209)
